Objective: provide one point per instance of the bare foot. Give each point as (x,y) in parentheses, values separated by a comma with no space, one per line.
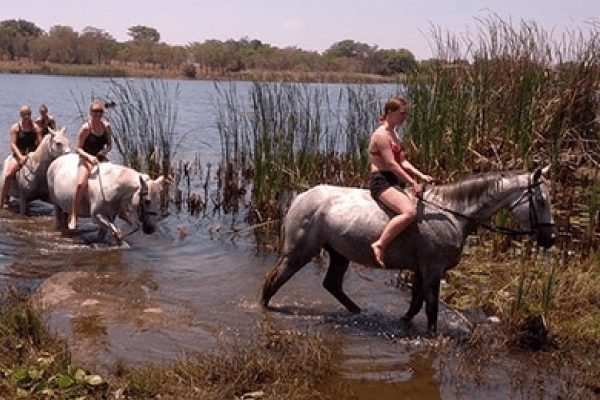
(72,222)
(378,251)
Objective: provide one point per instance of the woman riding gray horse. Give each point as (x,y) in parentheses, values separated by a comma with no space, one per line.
(345,221)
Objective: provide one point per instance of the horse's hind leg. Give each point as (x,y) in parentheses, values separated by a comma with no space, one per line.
(338,265)
(61,218)
(418,296)
(286,267)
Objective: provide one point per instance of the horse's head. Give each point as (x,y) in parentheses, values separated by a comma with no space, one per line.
(149,204)
(58,142)
(532,209)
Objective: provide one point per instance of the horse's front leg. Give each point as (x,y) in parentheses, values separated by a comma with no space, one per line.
(23,203)
(105,223)
(432,299)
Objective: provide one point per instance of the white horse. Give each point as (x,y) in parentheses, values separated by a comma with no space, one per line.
(345,221)
(113,190)
(30,181)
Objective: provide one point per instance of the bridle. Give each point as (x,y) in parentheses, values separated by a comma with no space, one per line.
(527,195)
(142,212)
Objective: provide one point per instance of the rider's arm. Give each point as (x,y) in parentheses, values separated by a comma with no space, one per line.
(13,144)
(109,140)
(414,171)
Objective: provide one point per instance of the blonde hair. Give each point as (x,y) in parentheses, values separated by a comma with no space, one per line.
(96,104)
(394,104)
(25,109)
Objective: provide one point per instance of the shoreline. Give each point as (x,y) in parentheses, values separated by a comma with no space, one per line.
(152,71)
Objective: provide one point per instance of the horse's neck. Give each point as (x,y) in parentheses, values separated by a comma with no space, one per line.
(499,196)
(40,156)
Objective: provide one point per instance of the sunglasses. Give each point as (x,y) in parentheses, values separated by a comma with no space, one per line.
(98,111)
(25,114)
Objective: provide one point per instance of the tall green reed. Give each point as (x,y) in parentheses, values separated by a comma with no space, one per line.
(293,136)
(143,121)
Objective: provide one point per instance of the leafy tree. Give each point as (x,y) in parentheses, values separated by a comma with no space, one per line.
(62,44)
(349,49)
(141,33)
(399,61)
(22,27)
(15,37)
(96,46)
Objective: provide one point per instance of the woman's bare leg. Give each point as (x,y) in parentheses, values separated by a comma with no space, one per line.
(11,170)
(82,177)
(404,206)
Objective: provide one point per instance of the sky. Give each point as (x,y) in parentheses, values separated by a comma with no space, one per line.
(305,24)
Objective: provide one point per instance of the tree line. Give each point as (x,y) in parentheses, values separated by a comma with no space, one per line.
(22,39)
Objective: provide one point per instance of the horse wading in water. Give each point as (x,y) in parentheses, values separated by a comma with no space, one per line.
(30,181)
(345,221)
(113,190)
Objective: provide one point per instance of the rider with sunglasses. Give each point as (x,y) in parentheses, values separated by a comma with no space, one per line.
(93,144)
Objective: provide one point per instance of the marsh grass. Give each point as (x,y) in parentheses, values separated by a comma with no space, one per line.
(143,119)
(287,137)
(33,363)
(549,312)
(279,364)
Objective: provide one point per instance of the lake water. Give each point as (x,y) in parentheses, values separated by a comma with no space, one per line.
(181,289)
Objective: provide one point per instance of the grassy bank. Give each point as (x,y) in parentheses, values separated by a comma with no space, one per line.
(543,312)
(274,365)
(151,71)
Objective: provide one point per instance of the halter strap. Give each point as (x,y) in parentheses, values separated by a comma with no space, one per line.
(501,229)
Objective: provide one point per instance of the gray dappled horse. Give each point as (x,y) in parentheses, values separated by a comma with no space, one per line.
(345,221)
(113,190)
(30,180)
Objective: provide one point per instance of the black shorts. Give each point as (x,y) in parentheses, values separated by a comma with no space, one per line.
(380,181)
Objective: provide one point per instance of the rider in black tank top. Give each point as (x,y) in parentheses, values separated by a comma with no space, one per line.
(94,142)
(26,140)
(92,147)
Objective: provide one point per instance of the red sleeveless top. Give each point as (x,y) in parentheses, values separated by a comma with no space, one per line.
(396,149)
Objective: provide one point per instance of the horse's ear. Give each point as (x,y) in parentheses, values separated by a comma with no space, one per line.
(546,172)
(143,184)
(537,174)
(169,180)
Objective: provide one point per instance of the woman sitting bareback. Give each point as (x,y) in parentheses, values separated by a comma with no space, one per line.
(391,173)
(93,144)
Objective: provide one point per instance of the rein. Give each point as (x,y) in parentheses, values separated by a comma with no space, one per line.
(533,218)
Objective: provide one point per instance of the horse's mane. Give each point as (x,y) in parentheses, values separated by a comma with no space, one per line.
(472,187)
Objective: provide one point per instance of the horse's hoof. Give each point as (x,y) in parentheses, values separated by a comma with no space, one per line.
(407,318)
(355,310)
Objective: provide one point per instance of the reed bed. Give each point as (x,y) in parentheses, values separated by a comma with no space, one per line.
(287,137)
(144,119)
(510,98)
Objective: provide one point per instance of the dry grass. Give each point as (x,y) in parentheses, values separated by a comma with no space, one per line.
(153,71)
(276,364)
(282,365)
(549,315)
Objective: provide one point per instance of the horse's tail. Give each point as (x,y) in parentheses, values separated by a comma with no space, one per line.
(267,291)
